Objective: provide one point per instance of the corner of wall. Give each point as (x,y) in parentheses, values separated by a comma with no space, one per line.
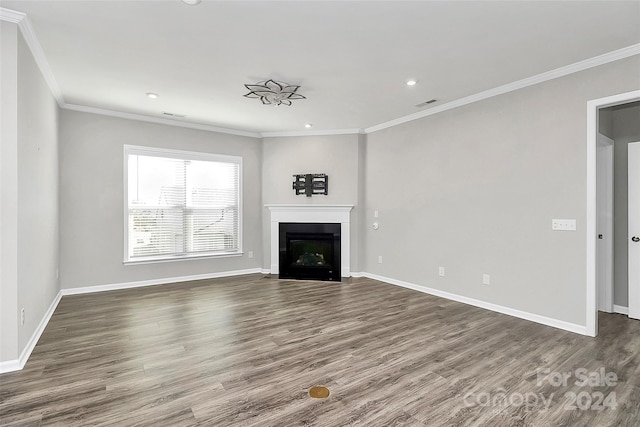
(9,194)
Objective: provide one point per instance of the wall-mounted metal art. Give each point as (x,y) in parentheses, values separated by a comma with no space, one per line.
(311,183)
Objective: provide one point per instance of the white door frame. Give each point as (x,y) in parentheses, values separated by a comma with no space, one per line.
(633,230)
(591,215)
(604,222)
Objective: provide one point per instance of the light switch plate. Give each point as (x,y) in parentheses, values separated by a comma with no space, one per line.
(563,224)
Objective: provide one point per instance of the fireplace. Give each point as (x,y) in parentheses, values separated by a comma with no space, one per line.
(312,214)
(309,251)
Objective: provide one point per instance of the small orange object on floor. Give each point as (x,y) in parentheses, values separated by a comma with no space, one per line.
(319,392)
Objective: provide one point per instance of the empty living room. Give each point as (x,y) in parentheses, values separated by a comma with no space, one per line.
(319,213)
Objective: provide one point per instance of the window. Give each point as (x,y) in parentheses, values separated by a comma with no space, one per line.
(181,204)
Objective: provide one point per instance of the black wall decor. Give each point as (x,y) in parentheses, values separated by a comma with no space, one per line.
(311,183)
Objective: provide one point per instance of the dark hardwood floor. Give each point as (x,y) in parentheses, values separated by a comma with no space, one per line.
(245,351)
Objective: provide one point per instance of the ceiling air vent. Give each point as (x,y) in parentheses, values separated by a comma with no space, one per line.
(424,104)
(179,116)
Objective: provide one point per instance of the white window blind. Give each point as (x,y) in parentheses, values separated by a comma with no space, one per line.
(181,204)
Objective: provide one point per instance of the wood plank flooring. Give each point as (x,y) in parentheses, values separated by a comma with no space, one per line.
(244,351)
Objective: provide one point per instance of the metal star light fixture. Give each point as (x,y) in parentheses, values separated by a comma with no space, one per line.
(272,92)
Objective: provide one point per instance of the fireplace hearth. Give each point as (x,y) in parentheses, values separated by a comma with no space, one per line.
(309,251)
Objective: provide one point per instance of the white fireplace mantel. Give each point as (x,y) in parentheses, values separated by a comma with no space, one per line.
(312,213)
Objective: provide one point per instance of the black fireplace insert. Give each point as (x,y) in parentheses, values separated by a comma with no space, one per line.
(309,251)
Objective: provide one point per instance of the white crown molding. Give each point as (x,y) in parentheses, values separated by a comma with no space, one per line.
(312,133)
(606,58)
(157,120)
(29,35)
(12,16)
(36,49)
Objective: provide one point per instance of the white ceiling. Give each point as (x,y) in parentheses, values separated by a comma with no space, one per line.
(351,58)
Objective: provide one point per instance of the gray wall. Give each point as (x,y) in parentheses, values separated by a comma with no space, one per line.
(605,122)
(92,205)
(38,226)
(474,189)
(9,192)
(30,237)
(338,156)
(359,254)
(626,129)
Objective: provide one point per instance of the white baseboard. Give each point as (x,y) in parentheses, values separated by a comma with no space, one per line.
(18,364)
(10,366)
(153,282)
(560,324)
(621,309)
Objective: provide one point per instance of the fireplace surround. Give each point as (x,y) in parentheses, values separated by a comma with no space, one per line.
(311,213)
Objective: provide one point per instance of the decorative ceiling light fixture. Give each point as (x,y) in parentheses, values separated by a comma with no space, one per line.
(271,92)
(191,2)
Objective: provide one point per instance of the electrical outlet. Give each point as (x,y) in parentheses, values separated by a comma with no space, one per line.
(22,316)
(441,271)
(486,279)
(563,224)
(379,259)
(375,214)
(250,254)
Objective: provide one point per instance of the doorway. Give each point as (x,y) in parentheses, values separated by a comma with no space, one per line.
(604,204)
(600,289)
(634,229)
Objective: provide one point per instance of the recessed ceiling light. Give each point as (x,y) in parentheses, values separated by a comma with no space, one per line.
(152,95)
(308,125)
(411,82)
(191,2)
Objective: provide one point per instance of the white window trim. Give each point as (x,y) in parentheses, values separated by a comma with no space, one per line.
(186,155)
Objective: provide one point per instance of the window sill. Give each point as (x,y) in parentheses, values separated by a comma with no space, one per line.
(182,258)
